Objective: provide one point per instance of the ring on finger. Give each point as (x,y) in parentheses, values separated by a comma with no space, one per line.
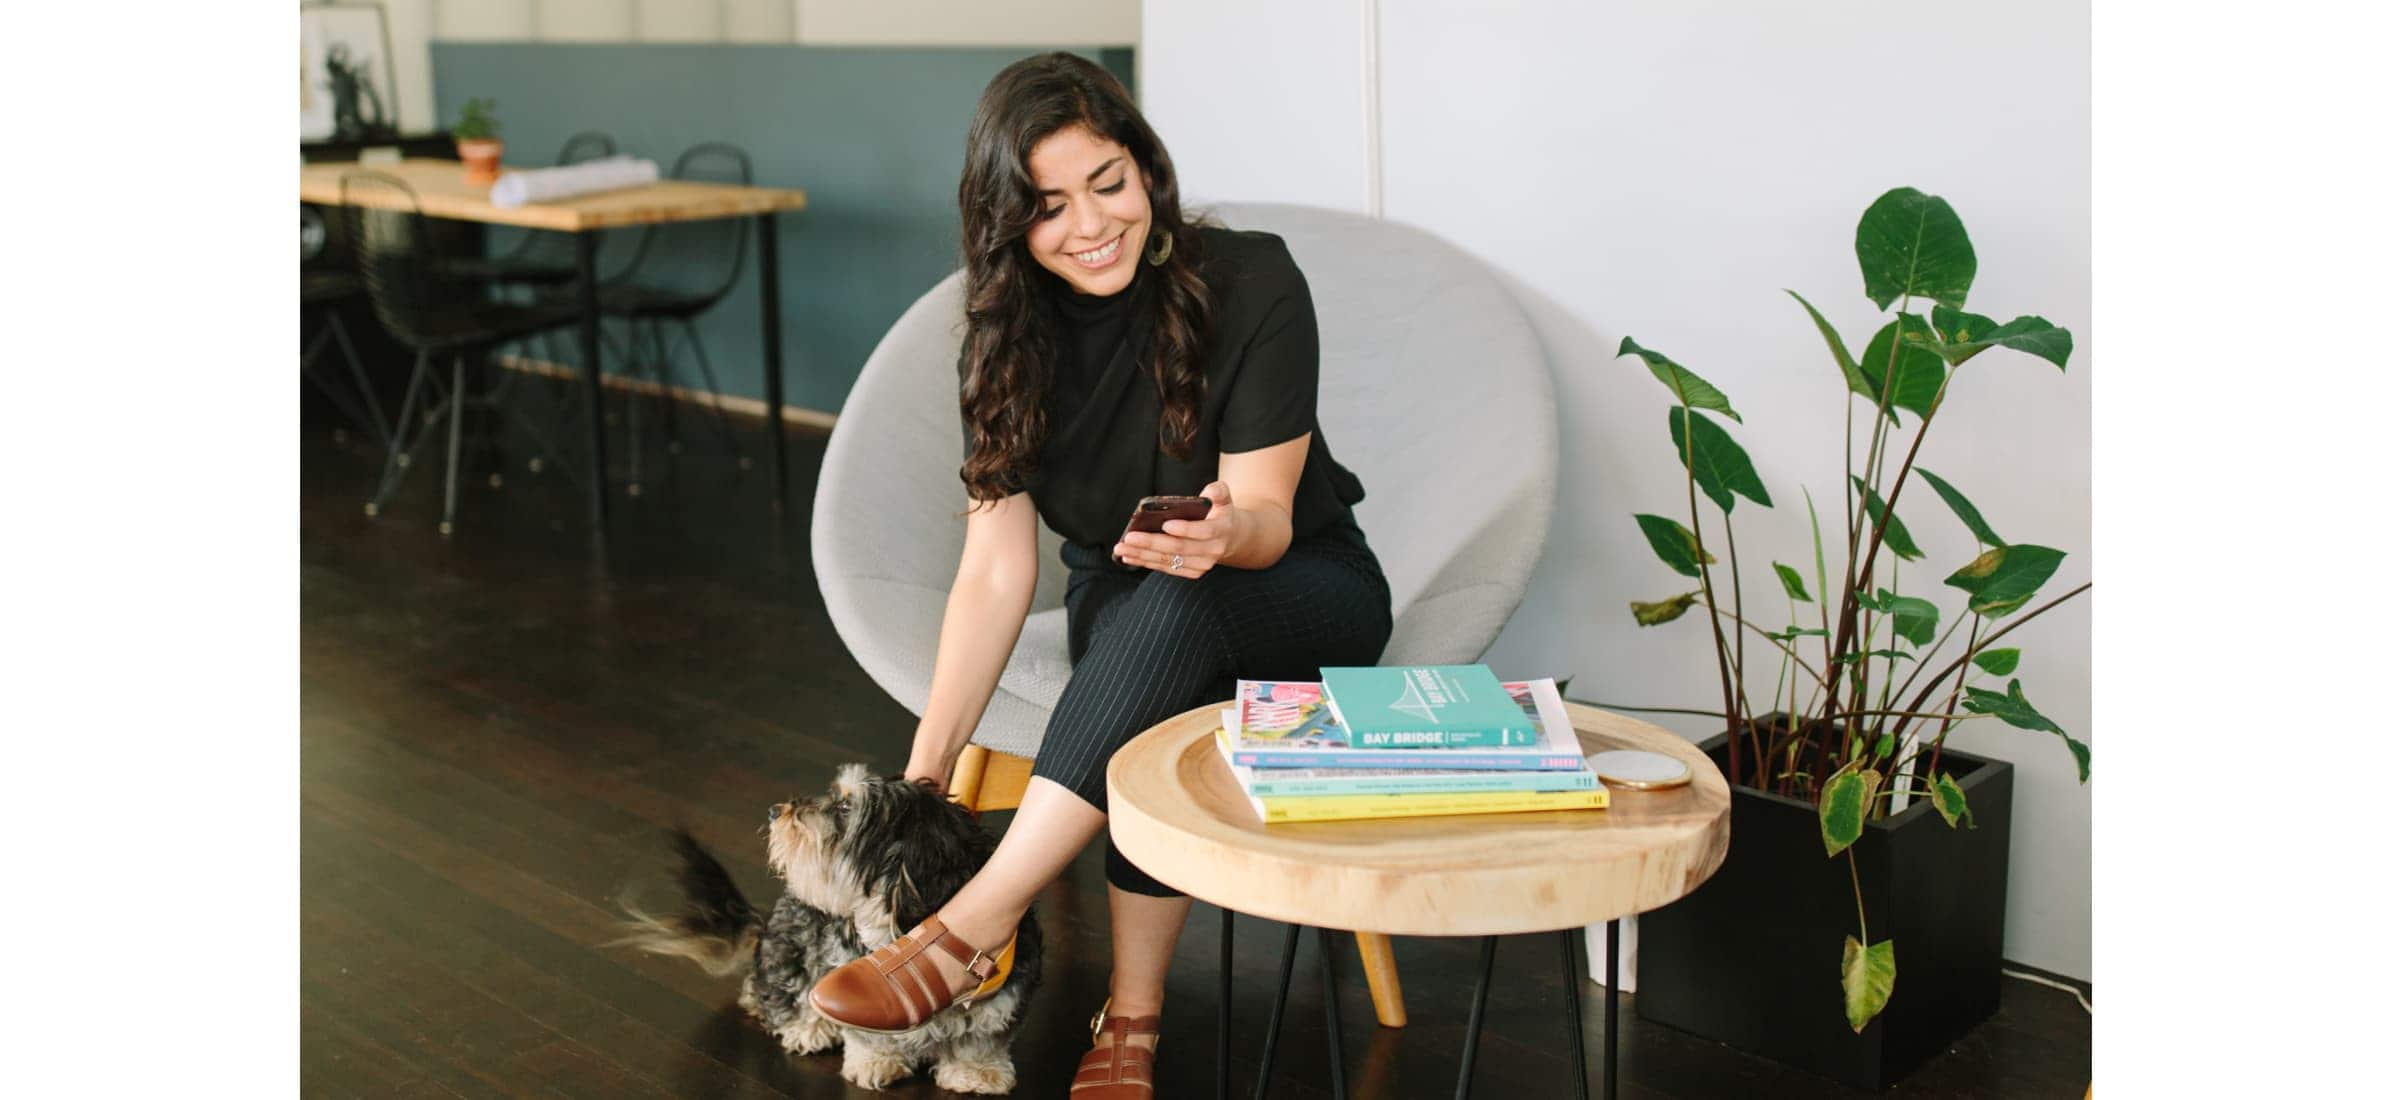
(1176,562)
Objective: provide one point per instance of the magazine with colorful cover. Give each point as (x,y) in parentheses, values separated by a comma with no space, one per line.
(1424,706)
(1285,710)
(1282,782)
(1350,807)
(1313,743)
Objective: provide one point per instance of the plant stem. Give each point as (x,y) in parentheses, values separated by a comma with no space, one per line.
(1787,649)
(1976,622)
(1962,660)
(1600,705)
(1877,539)
(1719,642)
(1727,522)
(1858,906)
(1921,666)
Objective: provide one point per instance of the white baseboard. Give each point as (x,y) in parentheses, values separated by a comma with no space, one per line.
(745,406)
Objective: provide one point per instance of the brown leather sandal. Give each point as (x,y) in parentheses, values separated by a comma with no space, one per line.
(1123,1070)
(895,989)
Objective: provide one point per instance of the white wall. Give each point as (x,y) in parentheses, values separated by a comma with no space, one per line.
(1661,168)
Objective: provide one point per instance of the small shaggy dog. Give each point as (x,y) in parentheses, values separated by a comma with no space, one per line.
(863,864)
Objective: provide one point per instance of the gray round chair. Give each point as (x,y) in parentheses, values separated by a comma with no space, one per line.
(1434,391)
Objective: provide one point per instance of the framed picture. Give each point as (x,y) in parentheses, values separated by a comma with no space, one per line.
(347,91)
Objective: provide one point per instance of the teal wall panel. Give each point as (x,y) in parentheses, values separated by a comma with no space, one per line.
(874,136)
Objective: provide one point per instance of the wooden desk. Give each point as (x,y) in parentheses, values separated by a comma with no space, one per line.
(440,186)
(1178,814)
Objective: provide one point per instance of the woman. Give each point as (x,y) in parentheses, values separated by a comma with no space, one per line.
(1113,350)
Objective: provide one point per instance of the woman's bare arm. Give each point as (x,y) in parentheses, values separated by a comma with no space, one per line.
(985,610)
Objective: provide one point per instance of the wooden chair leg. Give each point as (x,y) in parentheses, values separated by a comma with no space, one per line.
(1378,968)
(987,781)
(970,769)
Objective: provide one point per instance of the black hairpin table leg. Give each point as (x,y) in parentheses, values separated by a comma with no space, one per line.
(1270,1038)
(768,247)
(1611,1010)
(1320,939)
(1569,985)
(1478,1015)
(585,247)
(1221,1050)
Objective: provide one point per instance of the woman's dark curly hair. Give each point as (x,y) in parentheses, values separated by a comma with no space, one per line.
(1009,339)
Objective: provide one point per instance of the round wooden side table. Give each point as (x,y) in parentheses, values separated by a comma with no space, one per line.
(1178,814)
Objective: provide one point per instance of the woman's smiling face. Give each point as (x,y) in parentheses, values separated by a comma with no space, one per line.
(1094,214)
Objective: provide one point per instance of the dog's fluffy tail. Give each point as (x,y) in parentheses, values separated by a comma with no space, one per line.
(716,927)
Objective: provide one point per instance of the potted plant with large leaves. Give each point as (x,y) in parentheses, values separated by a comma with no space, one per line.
(1840,773)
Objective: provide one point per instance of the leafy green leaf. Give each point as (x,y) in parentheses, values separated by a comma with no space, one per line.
(1792,580)
(1818,549)
(1997,662)
(1835,344)
(1954,326)
(1674,544)
(1951,802)
(1844,805)
(1863,655)
(2003,579)
(1961,507)
(1885,747)
(1966,334)
(1914,618)
(1897,536)
(1721,468)
(2034,336)
(1691,389)
(1868,981)
(1918,372)
(1910,243)
(2014,709)
(1792,632)
(1661,611)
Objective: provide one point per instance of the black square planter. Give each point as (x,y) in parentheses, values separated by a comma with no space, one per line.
(1753,957)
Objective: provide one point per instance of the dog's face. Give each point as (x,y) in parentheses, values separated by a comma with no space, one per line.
(877,850)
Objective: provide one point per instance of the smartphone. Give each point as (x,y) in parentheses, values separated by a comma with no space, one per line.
(1153,512)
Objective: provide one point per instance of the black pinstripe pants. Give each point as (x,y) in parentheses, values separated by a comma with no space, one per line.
(1148,645)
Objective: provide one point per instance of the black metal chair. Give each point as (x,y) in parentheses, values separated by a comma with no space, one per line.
(323,292)
(706,261)
(434,315)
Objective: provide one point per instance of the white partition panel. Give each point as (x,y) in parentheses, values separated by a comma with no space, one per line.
(483,21)
(584,20)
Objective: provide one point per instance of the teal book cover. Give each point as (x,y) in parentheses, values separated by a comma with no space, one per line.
(1422,706)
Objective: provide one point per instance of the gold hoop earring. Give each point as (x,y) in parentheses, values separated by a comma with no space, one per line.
(1160,252)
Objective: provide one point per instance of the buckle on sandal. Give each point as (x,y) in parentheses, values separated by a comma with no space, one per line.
(992,970)
(1096,1023)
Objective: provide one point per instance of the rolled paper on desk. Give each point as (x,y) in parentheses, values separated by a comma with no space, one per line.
(566,181)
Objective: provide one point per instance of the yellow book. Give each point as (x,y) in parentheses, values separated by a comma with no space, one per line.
(1346,807)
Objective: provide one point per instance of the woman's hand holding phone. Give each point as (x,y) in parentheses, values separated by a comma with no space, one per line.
(1184,547)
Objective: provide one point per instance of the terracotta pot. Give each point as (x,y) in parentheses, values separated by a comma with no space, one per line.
(481,159)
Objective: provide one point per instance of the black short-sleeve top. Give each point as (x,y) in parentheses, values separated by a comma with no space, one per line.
(1262,381)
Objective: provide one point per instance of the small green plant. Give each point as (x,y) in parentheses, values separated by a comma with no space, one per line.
(476,122)
(1853,732)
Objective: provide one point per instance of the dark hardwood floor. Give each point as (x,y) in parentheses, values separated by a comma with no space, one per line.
(495,730)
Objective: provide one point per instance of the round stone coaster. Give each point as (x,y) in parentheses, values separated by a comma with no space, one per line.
(1636,770)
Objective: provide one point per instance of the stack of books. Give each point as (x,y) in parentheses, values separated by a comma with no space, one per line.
(1404,742)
